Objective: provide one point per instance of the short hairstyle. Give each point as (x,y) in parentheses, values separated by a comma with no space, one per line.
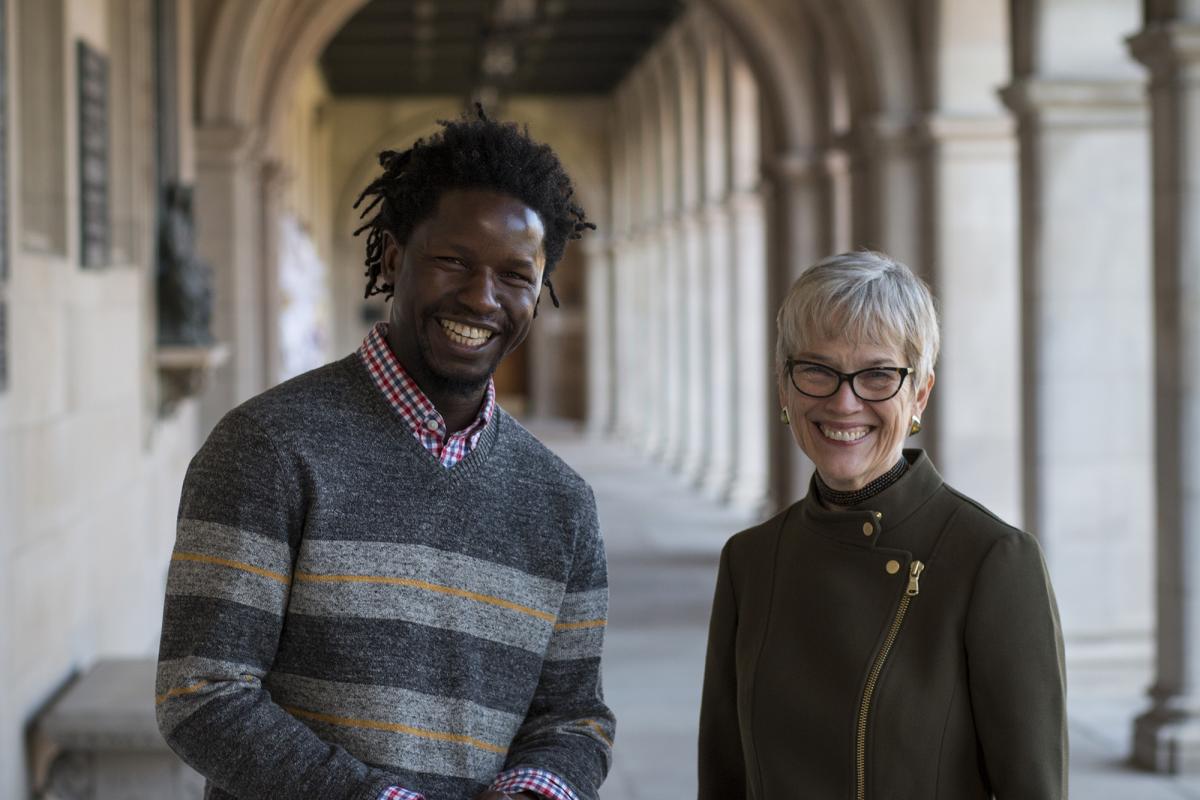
(864,297)
(474,152)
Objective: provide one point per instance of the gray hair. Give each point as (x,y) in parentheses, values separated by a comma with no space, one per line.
(863,297)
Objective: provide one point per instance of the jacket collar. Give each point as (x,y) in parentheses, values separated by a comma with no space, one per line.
(864,523)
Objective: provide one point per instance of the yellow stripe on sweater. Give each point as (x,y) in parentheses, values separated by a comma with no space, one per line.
(574,626)
(226,562)
(432,587)
(180,692)
(599,731)
(395,727)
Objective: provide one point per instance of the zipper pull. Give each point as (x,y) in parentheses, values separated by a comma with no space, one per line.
(914,576)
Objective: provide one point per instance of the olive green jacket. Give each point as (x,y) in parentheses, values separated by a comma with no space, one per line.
(839,668)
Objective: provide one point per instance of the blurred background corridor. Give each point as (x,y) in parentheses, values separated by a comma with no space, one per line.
(176,188)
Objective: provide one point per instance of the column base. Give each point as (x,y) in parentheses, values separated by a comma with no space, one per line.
(1168,741)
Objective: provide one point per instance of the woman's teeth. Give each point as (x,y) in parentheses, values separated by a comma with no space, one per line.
(465,334)
(845,434)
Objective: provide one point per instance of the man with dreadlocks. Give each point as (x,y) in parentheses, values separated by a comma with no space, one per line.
(382,585)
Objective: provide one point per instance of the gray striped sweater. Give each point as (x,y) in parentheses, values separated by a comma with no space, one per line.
(344,614)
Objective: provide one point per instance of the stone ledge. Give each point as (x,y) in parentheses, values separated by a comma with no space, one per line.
(183,372)
(100,740)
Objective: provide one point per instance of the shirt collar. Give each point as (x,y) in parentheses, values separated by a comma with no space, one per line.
(405,396)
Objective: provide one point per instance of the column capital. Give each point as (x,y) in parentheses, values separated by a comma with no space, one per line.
(963,127)
(1071,102)
(1165,46)
(796,166)
(223,144)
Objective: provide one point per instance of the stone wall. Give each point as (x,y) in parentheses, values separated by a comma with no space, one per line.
(89,471)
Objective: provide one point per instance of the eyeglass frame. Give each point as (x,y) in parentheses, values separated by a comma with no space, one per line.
(845,377)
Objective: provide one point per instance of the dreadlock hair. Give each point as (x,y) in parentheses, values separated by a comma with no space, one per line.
(469,153)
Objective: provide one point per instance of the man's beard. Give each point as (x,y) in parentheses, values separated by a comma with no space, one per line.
(451,384)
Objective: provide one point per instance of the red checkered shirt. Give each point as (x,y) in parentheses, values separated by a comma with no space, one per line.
(413,406)
(403,394)
(523,779)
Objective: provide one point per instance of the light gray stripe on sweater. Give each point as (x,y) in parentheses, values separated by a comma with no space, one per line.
(217,540)
(183,686)
(395,706)
(431,565)
(334,597)
(222,582)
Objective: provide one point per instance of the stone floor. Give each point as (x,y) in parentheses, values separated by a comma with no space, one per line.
(663,542)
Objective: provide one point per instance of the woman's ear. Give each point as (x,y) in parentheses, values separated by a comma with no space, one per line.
(923,393)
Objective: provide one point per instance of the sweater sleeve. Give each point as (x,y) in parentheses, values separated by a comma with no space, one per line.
(722,770)
(568,729)
(240,518)
(1017,674)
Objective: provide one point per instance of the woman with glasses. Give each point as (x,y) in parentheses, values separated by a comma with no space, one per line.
(886,637)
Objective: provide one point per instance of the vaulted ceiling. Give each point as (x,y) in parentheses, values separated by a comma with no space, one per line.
(396,47)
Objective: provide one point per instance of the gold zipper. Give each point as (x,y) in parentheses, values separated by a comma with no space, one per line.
(864,710)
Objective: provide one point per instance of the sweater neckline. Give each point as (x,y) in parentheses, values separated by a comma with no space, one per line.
(465,468)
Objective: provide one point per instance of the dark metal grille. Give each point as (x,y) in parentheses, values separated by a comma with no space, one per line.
(94,222)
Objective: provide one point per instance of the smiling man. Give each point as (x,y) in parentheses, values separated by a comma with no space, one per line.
(383,587)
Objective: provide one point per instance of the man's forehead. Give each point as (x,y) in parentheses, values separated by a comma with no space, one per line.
(465,211)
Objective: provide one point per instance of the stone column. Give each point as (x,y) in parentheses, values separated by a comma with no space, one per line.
(718,255)
(228,222)
(1085,280)
(753,377)
(275,179)
(891,191)
(718,371)
(626,202)
(668,230)
(754,403)
(1167,737)
(973,421)
(601,375)
(692,291)
(800,187)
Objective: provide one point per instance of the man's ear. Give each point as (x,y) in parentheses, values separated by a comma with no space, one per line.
(391,258)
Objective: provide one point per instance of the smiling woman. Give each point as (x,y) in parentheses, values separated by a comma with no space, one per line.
(934,667)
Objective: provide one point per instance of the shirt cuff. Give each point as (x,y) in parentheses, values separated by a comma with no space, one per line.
(396,793)
(546,784)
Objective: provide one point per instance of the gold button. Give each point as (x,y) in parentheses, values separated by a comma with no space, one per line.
(892,567)
(868,529)
(878,515)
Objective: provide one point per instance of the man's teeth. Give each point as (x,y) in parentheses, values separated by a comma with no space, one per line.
(845,434)
(465,334)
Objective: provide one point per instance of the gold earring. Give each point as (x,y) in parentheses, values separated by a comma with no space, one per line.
(783,417)
(915,428)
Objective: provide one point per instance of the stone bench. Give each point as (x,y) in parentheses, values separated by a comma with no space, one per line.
(99,740)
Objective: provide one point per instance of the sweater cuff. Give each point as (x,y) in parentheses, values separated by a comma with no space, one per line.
(543,782)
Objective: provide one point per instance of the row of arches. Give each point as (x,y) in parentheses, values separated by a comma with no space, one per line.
(1002,149)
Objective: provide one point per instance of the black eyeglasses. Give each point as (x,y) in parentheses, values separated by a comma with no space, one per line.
(872,384)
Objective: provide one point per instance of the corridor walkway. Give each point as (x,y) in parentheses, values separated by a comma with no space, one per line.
(663,543)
